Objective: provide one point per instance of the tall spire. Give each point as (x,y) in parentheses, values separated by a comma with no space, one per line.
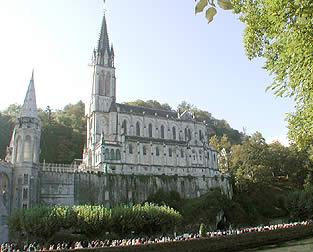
(103,43)
(29,108)
(104,56)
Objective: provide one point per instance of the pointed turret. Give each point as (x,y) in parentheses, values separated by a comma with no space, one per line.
(29,108)
(24,152)
(112,56)
(112,50)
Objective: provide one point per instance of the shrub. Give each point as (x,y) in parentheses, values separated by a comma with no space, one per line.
(42,222)
(300,204)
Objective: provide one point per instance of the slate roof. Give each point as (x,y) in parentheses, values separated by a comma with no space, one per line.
(137,110)
(29,108)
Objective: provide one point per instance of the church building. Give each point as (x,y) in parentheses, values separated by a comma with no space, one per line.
(124,139)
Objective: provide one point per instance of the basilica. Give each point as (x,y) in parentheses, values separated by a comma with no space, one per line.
(124,139)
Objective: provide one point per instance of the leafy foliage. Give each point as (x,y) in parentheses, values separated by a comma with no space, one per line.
(171,199)
(203,209)
(255,162)
(210,7)
(300,204)
(150,104)
(42,222)
(282,33)
(5,130)
(262,175)
(214,126)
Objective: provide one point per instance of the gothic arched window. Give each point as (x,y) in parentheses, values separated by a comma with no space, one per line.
(112,154)
(124,127)
(130,149)
(89,157)
(174,133)
(157,151)
(150,130)
(200,135)
(101,84)
(181,153)
(107,84)
(186,134)
(25,193)
(118,154)
(106,154)
(162,131)
(35,156)
(18,149)
(144,150)
(28,156)
(189,134)
(137,129)
(170,152)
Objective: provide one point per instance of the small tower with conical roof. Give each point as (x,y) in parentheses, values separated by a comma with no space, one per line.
(25,145)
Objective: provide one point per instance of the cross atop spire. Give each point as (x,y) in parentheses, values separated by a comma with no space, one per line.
(29,108)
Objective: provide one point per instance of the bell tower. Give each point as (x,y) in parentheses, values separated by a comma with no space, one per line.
(103,95)
(104,83)
(25,146)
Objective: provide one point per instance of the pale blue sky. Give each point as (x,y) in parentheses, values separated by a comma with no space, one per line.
(163,52)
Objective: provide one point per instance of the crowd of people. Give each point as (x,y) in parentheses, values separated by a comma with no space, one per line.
(12,247)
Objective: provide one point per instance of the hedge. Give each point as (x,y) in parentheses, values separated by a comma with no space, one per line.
(42,222)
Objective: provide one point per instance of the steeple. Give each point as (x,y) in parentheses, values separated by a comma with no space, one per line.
(104,55)
(29,108)
(103,43)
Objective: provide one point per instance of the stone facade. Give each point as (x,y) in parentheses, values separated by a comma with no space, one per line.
(131,140)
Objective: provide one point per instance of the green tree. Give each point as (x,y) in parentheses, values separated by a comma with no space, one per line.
(223,146)
(214,126)
(13,111)
(7,121)
(150,104)
(5,133)
(282,33)
(63,133)
(249,162)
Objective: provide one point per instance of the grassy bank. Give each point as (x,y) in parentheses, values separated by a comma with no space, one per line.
(219,244)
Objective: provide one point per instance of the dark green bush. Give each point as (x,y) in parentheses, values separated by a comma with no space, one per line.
(300,204)
(42,222)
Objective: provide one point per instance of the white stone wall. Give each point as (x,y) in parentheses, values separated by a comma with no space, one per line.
(154,154)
